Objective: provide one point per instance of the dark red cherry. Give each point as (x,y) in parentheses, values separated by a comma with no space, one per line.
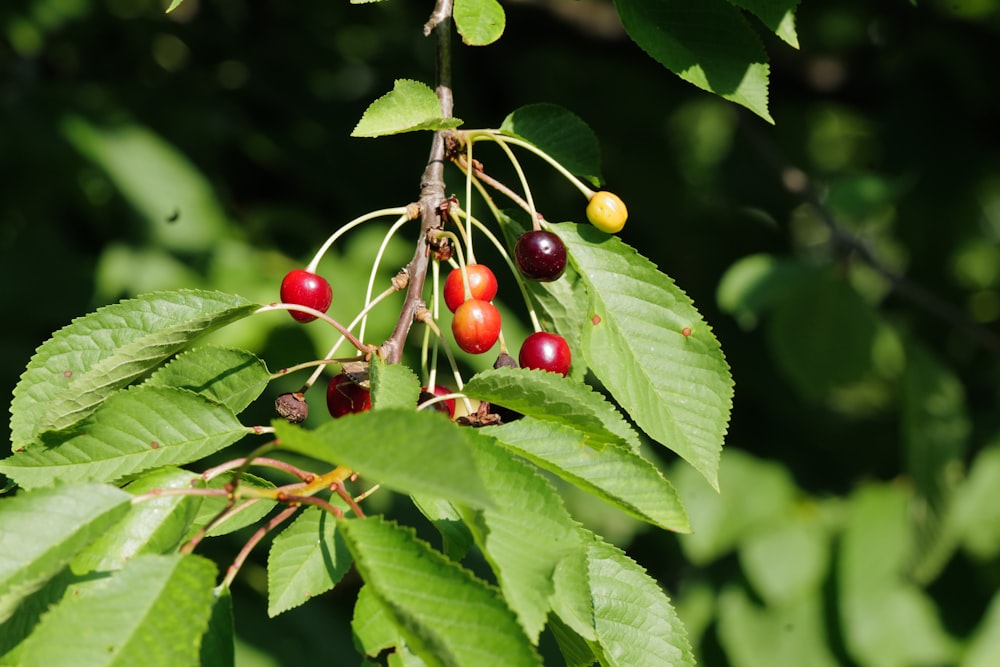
(546,351)
(344,396)
(446,406)
(540,255)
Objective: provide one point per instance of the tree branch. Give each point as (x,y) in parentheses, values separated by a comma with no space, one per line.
(798,183)
(432,187)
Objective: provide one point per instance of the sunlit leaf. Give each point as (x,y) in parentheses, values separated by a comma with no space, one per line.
(777,15)
(243,513)
(616,474)
(151,612)
(409,451)
(651,348)
(376,631)
(446,615)
(85,362)
(393,386)
(234,378)
(409,106)
(479,22)
(43,530)
(134,430)
(635,623)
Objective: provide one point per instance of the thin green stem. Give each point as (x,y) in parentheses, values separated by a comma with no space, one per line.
(381,213)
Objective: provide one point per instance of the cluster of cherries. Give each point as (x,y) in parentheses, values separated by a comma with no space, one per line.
(468,293)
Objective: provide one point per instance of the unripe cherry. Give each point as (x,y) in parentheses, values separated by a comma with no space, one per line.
(607,212)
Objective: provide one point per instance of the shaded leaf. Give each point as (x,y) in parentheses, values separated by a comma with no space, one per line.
(409,451)
(754,284)
(245,512)
(306,559)
(134,430)
(677,388)
(409,106)
(479,22)
(152,612)
(788,560)
(707,43)
(456,538)
(232,377)
(446,615)
(217,645)
(87,361)
(616,474)
(561,134)
(43,530)
(976,513)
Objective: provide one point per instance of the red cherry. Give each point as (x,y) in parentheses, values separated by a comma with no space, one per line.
(305,288)
(545,351)
(446,406)
(476,326)
(344,396)
(540,255)
(482,284)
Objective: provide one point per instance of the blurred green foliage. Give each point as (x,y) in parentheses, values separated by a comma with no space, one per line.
(857,523)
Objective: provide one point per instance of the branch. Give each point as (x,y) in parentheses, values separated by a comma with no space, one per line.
(798,183)
(432,187)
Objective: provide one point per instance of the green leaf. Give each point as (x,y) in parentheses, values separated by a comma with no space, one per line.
(134,430)
(479,22)
(756,494)
(616,474)
(176,201)
(551,397)
(308,558)
(707,43)
(523,554)
(635,623)
(393,386)
(409,106)
(789,560)
(561,134)
(885,618)
(232,377)
(575,650)
(152,612)
(43,530)
(153,526)
(174,4)
(456,538)
(218,645)
(792,635)
(408,451)
(244,513)
(676,388)
(976,512)
(984,646)
(448,616)
(778,16)
(87,361)
(936,429)
(756,283)
(375,631)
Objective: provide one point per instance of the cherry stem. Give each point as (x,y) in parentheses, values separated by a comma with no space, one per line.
(481,175)
(381,213)
(374,272)
(322,363)
(499,137)
(341,491)
(524,181)
(261,461)
(275,521)
(364,349)
(160,493)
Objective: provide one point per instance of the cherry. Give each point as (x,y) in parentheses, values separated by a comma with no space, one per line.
(305,288)
(545,351)
(476,326)
(540,255)
(446,406)
(344,396)
(482,284)
(607,212)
